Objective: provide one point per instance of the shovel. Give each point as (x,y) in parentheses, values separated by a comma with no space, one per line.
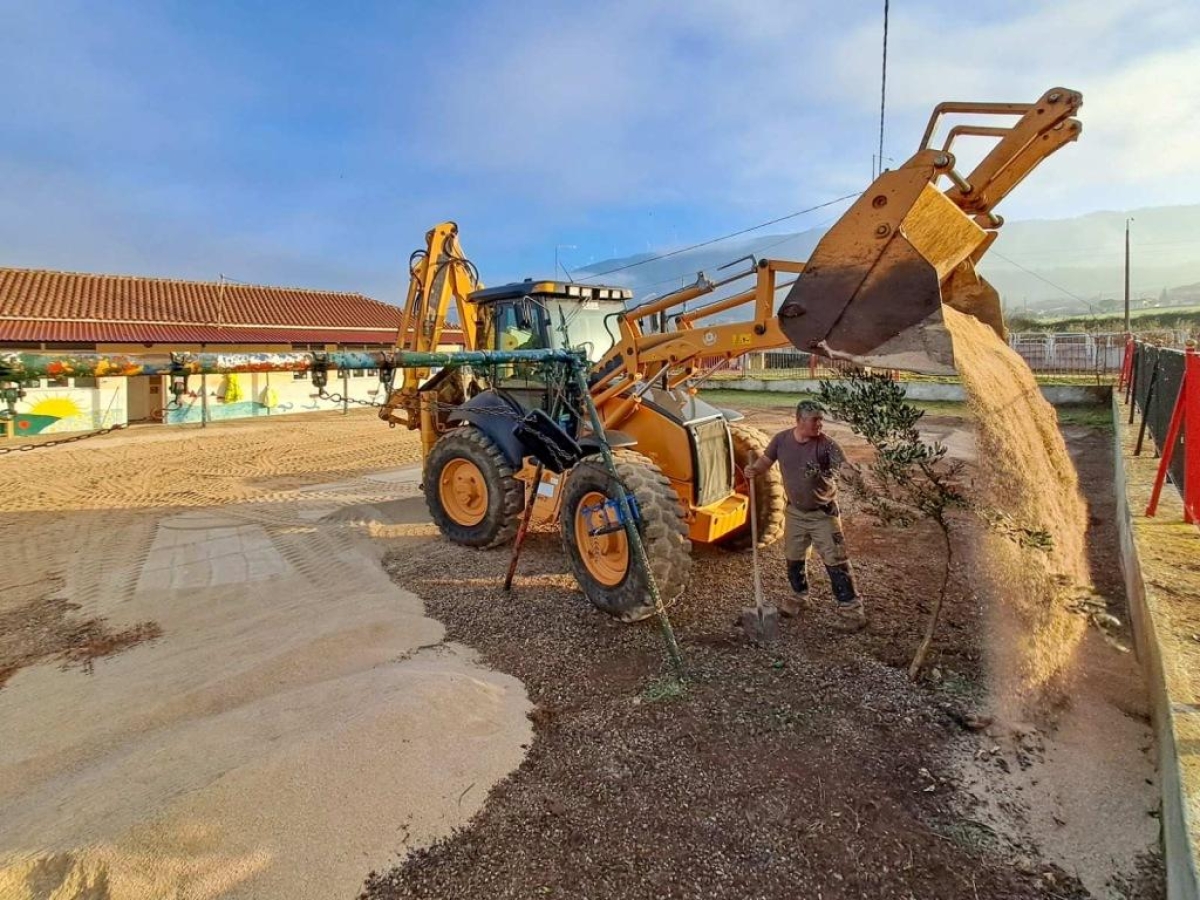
(760,622)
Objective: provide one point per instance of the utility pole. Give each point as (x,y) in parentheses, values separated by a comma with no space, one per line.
(1127,329)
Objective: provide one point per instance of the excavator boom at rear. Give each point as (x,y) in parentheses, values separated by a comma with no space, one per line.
(872,291)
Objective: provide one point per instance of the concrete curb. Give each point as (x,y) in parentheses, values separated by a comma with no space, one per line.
(1057,394)
(1161,648)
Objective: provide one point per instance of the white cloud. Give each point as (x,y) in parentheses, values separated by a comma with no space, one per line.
(1137,68)
(770,106)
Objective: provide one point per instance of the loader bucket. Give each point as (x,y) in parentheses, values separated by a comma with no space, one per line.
(873,289)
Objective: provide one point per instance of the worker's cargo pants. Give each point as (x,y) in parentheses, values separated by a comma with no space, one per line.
(823,530)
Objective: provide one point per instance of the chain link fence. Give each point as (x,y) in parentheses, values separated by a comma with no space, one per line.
(1154,387)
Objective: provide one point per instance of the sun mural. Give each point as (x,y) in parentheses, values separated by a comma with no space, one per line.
(45,413)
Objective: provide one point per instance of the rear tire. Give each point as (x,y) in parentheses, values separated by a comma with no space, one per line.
(472,492)
(769,496)
(604,565)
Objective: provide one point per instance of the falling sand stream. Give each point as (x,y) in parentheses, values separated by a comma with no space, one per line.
(1033,560)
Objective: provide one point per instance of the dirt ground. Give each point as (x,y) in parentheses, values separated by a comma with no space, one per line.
(814,769)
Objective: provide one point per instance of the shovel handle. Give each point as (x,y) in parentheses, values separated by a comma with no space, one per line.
(758,592)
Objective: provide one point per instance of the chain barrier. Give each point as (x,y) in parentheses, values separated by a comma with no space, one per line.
(156,416)
(338,398)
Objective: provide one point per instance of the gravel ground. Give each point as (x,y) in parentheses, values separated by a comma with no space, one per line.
(814,769)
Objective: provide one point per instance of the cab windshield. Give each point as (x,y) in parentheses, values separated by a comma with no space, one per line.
(585,325)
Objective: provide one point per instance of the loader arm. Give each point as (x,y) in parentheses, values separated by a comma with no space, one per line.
(1042,129)
(873,289)
(671,357)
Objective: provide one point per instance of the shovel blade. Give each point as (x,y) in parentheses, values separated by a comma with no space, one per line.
(761,625)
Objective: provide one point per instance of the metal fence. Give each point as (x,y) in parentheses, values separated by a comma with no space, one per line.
(1071,353)
(772,364)
(1096,357)
(1153,389)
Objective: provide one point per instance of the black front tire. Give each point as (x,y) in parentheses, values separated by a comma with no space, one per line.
(661,526)
(505,492)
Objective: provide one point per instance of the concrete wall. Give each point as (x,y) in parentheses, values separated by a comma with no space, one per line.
(1058,394)
(77,406)
(61,409)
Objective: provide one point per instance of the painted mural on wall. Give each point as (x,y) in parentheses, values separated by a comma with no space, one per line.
(49,411)
(192,410)
(46,412)
(232,398)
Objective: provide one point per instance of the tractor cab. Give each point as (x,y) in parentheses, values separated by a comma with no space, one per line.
(551,315)
(546,315)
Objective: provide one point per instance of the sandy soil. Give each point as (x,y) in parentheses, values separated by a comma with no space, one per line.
(1081,788)
(213,688)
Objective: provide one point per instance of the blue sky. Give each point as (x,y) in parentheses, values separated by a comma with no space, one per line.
(313,144)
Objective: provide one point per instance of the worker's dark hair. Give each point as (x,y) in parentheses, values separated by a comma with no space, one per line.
(810,408)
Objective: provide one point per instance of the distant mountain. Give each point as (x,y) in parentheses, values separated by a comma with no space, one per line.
(1044,267)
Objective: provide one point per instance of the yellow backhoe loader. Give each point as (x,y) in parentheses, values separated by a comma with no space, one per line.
(871,292)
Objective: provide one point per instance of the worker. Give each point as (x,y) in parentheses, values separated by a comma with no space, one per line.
(808,461)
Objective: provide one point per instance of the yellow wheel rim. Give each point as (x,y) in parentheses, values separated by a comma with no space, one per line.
(463,492)
(606,556)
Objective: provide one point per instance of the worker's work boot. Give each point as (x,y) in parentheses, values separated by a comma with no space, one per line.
(851,616)
(794,606)
(791,607)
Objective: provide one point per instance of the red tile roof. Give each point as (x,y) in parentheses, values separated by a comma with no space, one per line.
(38,305)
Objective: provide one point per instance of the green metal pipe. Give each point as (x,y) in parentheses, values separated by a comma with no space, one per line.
(20,366)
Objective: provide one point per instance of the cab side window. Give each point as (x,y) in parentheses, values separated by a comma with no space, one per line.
(520,327)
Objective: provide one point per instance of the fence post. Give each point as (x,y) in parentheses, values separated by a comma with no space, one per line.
(1134,371)
(1126,364)
(1185,400)
(1191,434)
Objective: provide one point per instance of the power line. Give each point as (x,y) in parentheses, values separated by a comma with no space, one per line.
(725,237)
(883,83)
(757,251)
(1057,287)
